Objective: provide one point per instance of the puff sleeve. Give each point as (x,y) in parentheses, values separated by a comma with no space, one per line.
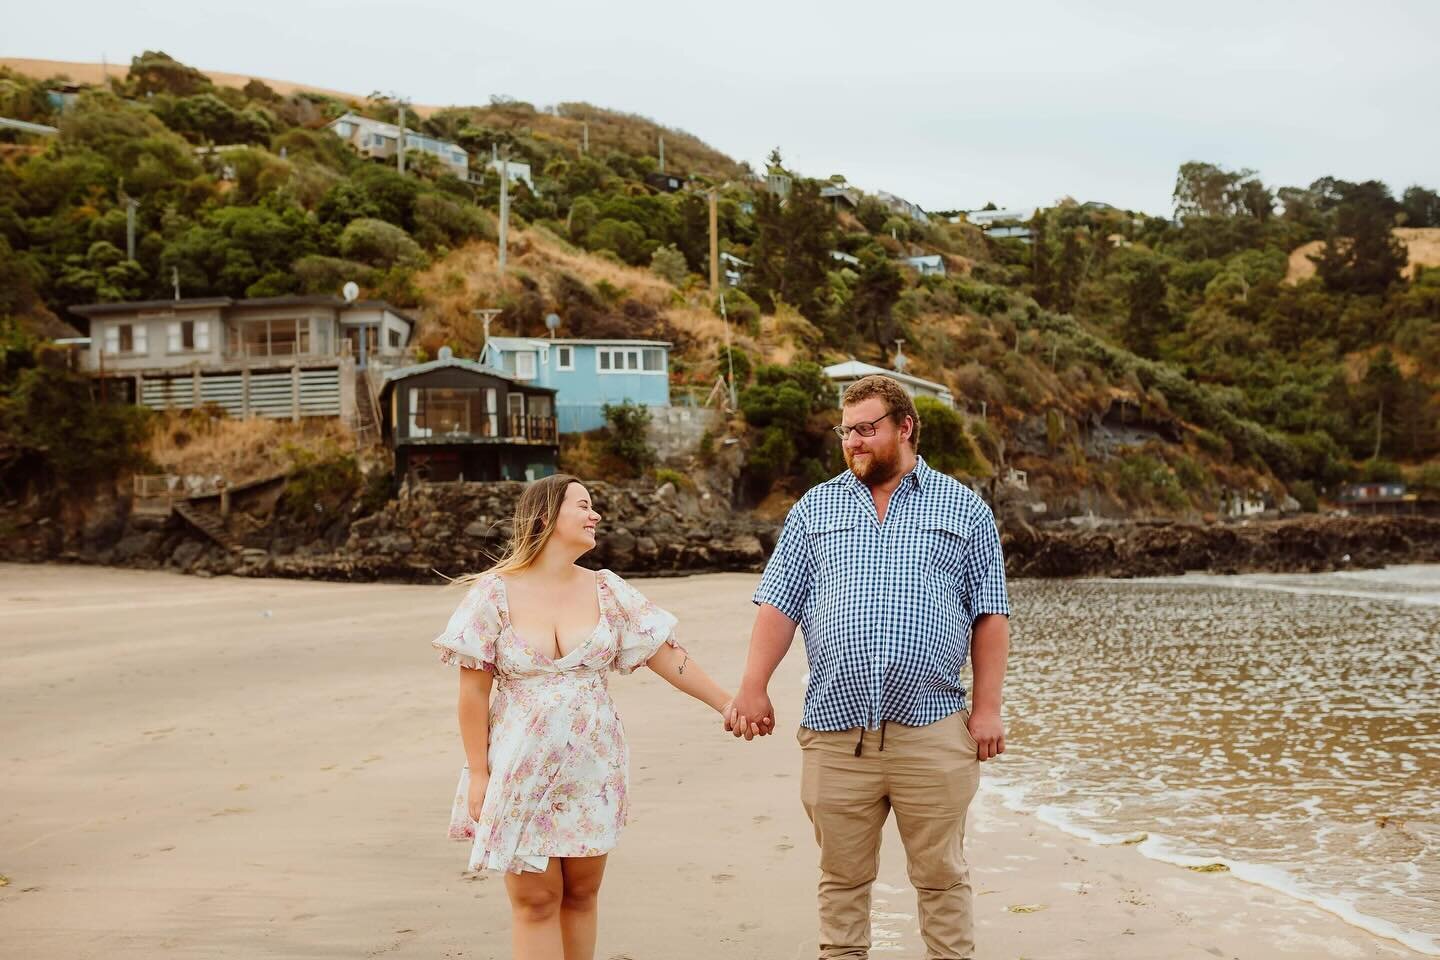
(642,627)
(470,638)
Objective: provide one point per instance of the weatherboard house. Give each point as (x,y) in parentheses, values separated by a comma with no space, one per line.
(586,374)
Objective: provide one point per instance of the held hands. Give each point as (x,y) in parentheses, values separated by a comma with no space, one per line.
(749,715)
(989,733)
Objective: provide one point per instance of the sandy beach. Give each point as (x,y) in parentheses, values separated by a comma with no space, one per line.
(263,768)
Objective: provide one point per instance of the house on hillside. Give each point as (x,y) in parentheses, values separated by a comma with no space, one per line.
(586,374)
(903,207)
(1000,224)
(844,374)
(517,170)
(841,196)
(284,357)
(378,140)
(665,182)
(929,265)
(733,268)
(454,419)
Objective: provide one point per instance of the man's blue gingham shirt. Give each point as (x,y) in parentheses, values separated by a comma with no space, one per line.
(887,609)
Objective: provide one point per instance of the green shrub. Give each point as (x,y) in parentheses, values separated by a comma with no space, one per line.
(626,441)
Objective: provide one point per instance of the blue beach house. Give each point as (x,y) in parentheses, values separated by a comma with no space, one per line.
(586,374)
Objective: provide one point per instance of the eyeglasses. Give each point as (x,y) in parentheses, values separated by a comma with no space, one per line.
(866,429)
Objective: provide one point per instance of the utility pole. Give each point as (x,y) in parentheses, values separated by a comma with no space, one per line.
(662,154)
(401,160)
(486,314)
(175,279)
(130,206)
(585,143)
(729,353)
(504,205)
(714,247)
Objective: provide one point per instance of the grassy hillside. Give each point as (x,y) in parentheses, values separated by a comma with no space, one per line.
(1126,362)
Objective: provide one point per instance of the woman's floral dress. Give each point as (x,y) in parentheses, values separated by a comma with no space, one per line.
(559,766)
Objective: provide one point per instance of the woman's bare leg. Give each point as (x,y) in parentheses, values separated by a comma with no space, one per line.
(579,905)
(535,913)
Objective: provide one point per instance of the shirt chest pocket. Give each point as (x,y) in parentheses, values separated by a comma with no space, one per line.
(832,540)
(946,543)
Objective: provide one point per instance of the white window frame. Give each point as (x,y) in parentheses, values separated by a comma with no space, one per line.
(139,339)
(533,365)
(565,351)
(631,360)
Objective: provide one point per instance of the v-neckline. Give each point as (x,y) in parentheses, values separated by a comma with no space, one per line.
(515,634)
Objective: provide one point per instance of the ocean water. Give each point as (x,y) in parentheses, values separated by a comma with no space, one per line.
(1287,726)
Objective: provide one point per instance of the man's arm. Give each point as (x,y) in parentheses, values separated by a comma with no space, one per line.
(752,714)
(989,653)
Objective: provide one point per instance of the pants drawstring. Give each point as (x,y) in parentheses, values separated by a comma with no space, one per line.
(861,742)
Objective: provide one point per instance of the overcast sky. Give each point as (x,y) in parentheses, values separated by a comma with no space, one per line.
(949,104)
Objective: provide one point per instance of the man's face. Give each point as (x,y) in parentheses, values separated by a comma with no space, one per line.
(874,460)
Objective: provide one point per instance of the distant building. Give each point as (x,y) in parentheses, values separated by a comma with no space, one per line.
(378,140)
(63,94)
(844,374)
(454,419)
(1391,497)
(733,268)
(586,374)
(666,182)
(903,207)
(930,265)
(844,258)
(1001,224)
(284,357)
(842,196)
(518,170)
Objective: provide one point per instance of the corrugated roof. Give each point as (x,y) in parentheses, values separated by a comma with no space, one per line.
(473,366)
(858,369)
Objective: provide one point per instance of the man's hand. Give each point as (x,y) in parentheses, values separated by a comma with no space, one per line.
(989,733)
(750,715)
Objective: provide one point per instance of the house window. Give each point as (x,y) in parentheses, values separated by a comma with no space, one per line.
(444,412)
(492,414)
(630,359)
(564,358)
(125,338)
(525,365)
(187,336)
(394,339)
(270,338)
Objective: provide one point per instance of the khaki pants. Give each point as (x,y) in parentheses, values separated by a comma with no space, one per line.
(928,775)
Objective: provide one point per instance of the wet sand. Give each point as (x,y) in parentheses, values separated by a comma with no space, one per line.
(263,768)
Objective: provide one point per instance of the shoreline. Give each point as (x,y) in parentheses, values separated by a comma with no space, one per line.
(219,767)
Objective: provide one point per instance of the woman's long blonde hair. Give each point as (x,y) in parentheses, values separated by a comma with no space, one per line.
(535,515)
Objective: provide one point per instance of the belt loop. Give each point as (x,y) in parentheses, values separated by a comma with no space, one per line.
(882,735)
(860,741)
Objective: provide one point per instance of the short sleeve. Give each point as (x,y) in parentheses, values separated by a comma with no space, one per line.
(642,627)
(785,585)
(985,570)
(469,639)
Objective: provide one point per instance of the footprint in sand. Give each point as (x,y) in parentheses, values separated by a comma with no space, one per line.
(760,819)
(304,916)
(721,877)
(782,847)
(229,811)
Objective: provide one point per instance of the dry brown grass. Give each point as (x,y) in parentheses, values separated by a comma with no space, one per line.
(1422,244)
(191,443)
(95,73)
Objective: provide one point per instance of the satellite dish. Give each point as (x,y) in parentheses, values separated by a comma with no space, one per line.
(351,291)
(552,321)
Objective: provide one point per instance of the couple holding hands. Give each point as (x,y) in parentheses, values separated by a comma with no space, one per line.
(894,574)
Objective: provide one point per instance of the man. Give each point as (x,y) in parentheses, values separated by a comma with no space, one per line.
(894,573)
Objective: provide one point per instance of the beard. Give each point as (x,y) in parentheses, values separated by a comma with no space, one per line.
(879,467)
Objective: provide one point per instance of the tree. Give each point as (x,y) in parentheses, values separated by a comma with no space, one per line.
(1149,317)
(872,306)
(792,249)
(155,71)
(1362,254)
(1421,206)
(627,441)
(946,445)
(669,264)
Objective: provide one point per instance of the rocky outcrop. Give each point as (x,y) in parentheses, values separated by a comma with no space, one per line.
(1304,544)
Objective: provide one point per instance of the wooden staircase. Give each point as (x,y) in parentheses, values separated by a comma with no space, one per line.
(206,523)
(367,416)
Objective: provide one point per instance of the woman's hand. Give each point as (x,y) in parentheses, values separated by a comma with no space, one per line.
(478,785)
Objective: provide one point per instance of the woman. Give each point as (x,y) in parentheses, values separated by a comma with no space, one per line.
(544,793)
